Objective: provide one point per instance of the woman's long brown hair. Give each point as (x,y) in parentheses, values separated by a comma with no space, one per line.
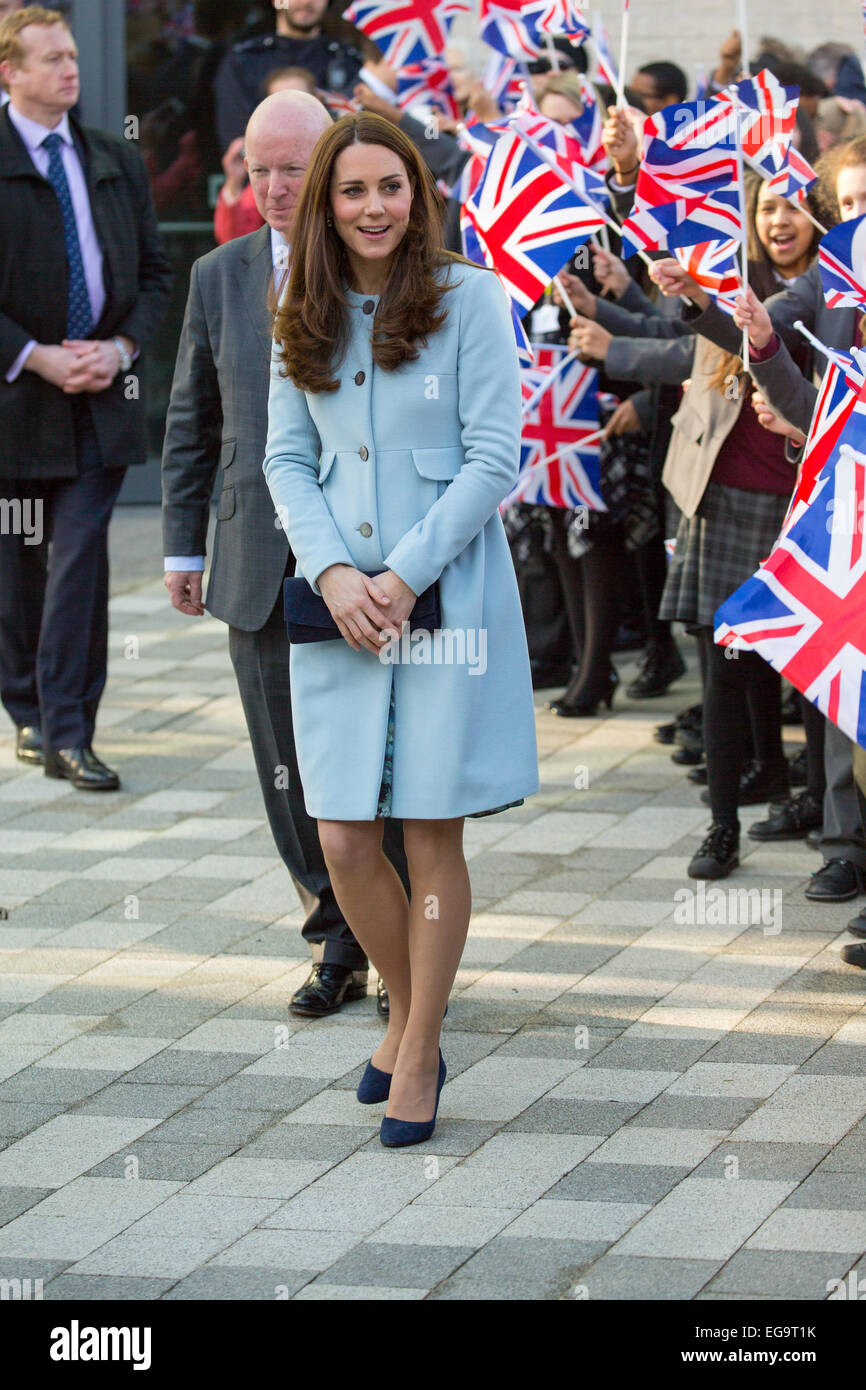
(312,324)
(761,276)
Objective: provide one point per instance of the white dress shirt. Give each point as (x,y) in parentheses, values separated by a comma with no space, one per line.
(185,564)
(32,133)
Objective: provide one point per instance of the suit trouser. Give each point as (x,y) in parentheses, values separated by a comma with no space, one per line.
(843,836)
(261,662)
(54,609)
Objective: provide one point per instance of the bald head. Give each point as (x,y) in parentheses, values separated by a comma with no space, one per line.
(280,138)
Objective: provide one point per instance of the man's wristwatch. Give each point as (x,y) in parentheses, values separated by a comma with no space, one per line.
(125,357)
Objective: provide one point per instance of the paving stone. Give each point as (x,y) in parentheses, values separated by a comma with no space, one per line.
(244,1092)
(330,1143)
(763,1272)
(190,1068)
(288,1249)
(696,1112)
(196,1126)
(163,1162)
(617,1182)
(641,1277)
(127,1098)
(440,1225)
(550,1116)
(81,1288)
(704,1219)
(804,1228)
(15,1200)
(511,1269)
(319,1289)
(762,1160)
(221,1283)
(398,1266)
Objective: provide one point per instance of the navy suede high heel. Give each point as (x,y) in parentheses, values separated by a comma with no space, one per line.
(375,1085)
(396,1134)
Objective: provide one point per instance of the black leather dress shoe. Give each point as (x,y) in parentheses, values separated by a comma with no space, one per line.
(760,783)
(790,821)
(857,925)
(82,768)
(855,955)
(837,882)
(383,1003)
(327,988)
(28,745)
(661,666)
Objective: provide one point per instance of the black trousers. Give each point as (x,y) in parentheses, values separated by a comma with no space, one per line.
(261,662)
(739,690)
(54,605)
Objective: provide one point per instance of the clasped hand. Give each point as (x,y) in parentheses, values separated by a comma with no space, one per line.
(367,611)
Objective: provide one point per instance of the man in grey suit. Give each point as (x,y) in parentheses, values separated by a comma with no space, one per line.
(218,418)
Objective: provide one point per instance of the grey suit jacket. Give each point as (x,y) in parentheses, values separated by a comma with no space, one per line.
(218,420)
(789,390)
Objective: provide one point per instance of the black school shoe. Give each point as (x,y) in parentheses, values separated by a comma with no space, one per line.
(798,769)
(791,820)
(326,989)
(854,955)
(760,783)
(719,853)
(660,668)
(837,882)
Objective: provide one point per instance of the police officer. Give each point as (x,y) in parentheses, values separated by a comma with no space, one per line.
(297,42)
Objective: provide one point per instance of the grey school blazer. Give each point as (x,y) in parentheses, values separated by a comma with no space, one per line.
(217,422)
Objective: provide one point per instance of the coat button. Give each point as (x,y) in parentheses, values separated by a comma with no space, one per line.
(364,452)
(368,306)
(365,528)
(360,378)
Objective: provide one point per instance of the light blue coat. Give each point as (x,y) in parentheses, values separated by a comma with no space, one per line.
(441,437)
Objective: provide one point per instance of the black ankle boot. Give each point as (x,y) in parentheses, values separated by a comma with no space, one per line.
(719,853)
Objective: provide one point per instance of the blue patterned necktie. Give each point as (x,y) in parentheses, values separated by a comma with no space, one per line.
(79,315)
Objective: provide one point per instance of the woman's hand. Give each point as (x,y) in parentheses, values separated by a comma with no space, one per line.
(402,598)
(624,420)
(610,272)
(773,422)
(672,280)
(483,104)
(582,299)
(360,606)
(750,313)
(620,143)
(589,339)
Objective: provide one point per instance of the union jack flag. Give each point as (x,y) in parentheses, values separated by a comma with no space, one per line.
(500,81)
(523,220)
(560,147)
(687,189)
(588,127)
(511,27)
(768,115)
(713,265)
(795,180)
(427,83)
(407,31)
(337,103)
(842,390)
(805,610)
(564,17)
(842,263)
(563,418)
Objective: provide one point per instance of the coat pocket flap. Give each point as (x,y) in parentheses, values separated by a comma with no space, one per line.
(326,463)
(689,422)
(227,452)
(226,507)
(444,462)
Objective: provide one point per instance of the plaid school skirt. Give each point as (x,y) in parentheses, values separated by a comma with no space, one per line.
(718,549)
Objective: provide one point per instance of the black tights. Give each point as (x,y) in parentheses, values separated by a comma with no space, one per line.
(594,588)
(813,726)
(739,688)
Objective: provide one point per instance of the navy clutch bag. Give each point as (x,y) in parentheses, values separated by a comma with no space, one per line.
(308,618)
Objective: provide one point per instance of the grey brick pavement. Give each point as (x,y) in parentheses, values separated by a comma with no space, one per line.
(638,1105)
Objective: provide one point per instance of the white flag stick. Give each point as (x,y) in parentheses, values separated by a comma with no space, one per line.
(529,474)
(743,26)
(827,352)
(801,207)
(565,299)
(552,52)
(547,382)
(623,56)
(741,186)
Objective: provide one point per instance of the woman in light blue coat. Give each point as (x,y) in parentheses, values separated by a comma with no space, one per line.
(394,435)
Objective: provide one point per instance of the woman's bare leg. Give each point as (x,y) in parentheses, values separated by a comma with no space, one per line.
(374,903)
(438,922)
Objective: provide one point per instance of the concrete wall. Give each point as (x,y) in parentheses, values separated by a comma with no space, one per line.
(689,34)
